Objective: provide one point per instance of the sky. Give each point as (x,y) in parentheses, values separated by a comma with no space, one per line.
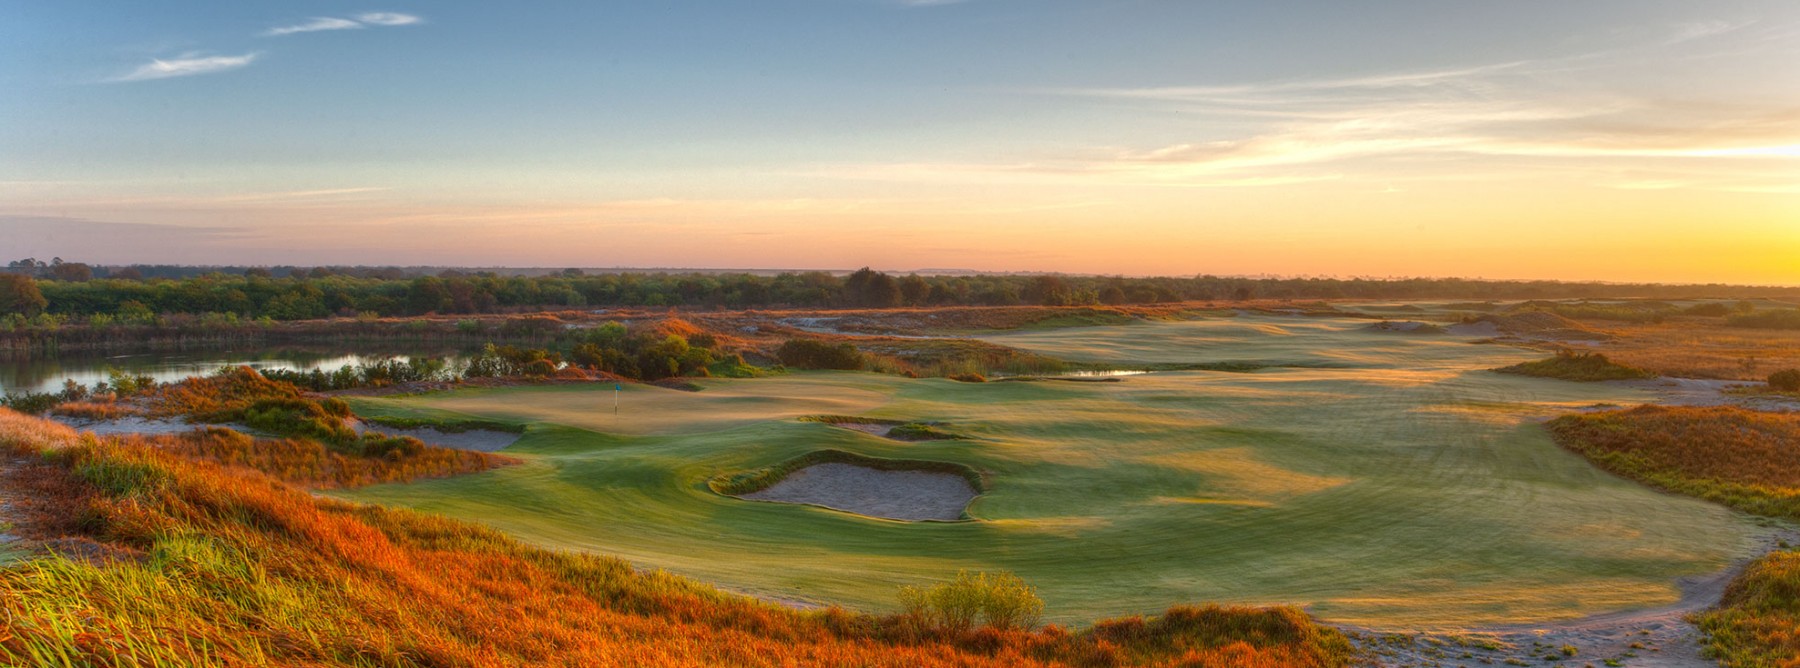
(1620,140)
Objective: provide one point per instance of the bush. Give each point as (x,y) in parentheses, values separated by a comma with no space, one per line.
(1786,381)
(1709,309)
(1578,366)
(32,403)
(1001,600)
(811,354)
(1782,319)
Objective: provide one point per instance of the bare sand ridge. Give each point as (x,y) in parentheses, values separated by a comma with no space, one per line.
(894,495)
(478,440)
(128,425)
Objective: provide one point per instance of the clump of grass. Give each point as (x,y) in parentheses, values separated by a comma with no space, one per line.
(1578,366)
(750,482)
(920,431)
(1000,600)
(848,419)
(1284,635)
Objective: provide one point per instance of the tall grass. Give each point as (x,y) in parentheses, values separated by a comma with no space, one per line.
(217,566)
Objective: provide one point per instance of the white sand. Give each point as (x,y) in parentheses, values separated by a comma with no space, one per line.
(894,495)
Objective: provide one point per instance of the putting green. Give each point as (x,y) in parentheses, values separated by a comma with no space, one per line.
(1393,482)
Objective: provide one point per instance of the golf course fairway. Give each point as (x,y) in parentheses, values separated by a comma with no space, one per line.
(1376,478)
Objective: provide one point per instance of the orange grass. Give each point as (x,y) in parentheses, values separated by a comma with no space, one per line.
(96,410)
(237,568)
(311,464)
(1748,460)
(1693,347)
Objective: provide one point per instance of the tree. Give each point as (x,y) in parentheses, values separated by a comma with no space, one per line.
(914,290)
(867,287)
(73,272)
(19,294)
(427,294)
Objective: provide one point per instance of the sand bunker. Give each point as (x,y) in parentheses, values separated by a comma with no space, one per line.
(479,440)
(894,495)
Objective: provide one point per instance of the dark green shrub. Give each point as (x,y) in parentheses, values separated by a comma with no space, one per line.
(811,354)
(33,403)
(1786,381)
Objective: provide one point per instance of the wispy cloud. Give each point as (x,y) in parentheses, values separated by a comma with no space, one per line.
(364,20)
(187,65)
(1513,116)
(315,25)
(388,19)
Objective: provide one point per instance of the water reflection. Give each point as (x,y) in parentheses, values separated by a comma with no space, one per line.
(47,374)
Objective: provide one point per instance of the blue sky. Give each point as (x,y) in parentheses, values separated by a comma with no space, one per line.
(1392,138)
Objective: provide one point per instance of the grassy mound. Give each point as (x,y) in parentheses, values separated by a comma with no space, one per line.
(898,430)
(1578,366)
(195,564)
(750,482)
(1541,324)
(1740,458)
(849,419)
(1743,459)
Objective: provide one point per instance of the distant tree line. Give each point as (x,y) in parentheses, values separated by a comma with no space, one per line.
(32,287)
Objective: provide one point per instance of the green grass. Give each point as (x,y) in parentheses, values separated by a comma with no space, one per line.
(1381,480)
(1580,367)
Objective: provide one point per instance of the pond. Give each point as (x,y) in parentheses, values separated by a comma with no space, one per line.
(47,374)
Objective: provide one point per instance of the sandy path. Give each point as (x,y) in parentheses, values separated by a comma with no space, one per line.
(1699,392)
(895,495)
(128,425)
